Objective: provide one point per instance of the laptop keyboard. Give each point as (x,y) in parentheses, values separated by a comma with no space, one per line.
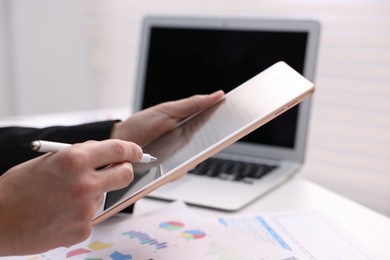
(232,170)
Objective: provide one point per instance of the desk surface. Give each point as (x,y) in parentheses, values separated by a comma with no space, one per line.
(369,227)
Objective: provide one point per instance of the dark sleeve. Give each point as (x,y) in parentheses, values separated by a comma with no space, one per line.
(15,141)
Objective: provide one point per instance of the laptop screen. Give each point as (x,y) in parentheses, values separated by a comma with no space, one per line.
(189,58)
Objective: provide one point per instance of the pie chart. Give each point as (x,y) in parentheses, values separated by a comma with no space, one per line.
(171,225)
(192,234)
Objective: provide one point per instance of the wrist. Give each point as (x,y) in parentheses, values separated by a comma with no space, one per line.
(115,131)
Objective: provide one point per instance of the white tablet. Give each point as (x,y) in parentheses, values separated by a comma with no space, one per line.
(241,111)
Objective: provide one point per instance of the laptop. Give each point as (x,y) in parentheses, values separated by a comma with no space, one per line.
(183,56)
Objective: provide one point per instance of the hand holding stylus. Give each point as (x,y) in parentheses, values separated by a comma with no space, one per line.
(49,146)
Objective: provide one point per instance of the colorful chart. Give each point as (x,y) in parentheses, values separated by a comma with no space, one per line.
(94,246)
(171,225)
(145,239)
(192,234)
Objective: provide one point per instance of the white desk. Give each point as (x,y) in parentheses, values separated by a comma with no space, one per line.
(369,227)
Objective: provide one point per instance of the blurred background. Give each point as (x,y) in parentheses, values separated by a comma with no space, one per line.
(70,55)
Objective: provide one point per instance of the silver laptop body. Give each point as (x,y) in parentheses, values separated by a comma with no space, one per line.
(182,56)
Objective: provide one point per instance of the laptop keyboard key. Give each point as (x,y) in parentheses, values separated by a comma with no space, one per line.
(232,170)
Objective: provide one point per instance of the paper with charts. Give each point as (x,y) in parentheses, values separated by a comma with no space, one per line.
(175,232)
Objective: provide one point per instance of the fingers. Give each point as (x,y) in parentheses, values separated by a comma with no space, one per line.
(118,155)
(110,152)
(197,103)
(108,162)
(185,107)
(116,176)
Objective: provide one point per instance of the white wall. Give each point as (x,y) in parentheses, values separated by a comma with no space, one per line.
(82,54)
(51,66)
(3,62)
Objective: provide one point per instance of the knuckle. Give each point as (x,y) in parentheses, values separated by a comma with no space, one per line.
(118,148)
(75,159)
(84,189)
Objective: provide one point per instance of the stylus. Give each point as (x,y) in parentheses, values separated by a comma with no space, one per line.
(49,146)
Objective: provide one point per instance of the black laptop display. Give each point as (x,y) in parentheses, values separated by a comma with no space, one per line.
(183,56)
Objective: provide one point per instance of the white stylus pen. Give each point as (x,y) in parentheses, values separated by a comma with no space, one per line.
(49,146)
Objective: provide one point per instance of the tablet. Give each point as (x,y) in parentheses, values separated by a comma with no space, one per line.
(241,111)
